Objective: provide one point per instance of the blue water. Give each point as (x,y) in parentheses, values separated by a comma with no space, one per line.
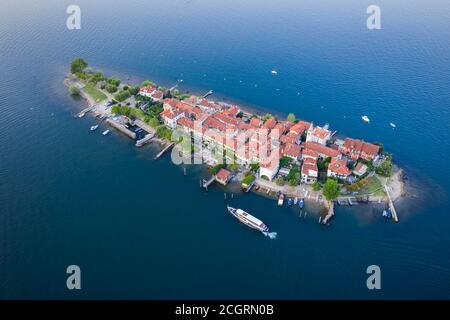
(139,229)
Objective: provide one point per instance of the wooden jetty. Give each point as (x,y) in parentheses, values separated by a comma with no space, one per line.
(86,110)
(166,148)
(391,204)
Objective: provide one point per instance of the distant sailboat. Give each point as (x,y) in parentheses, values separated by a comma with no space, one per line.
(365,119)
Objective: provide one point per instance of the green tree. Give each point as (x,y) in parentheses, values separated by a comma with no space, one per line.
(111,88)
(122,95)
(331,189)
(268,116)
(316,186)
(96,77)
(147,82)
(254,167)
(214,170)
(112,81)
(78,65)
(279,181)
(385,169)
(291,117)
(134,90)
(153,122)
(74,90)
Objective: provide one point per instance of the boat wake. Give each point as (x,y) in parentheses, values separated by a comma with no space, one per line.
(270,235)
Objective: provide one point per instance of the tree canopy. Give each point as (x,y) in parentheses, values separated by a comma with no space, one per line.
(331,189)
(291,117)
(78,65)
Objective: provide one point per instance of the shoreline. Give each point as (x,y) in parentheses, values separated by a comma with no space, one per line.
(395,183)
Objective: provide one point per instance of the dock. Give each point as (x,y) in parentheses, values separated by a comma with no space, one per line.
(164,150)
(145,140)
(391,204)
(249,187)
(210,92)
(206,183)
(121,128)
(330,213)
(85,111)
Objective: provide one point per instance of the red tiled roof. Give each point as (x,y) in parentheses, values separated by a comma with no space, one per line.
(338,167)
(320,132)
(370,149)
(212,122)
(287,139)
(310,161)
(308,153)
(300,127)
(158,95)
(185,122)
(322,150)
(307,168)
(270,123)
(171,102)
(147,89)
(233,111)
(255,122)
(292,150)
(170,114)
(226,119)
(223,174)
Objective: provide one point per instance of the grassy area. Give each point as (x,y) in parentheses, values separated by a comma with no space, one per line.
(97,95)
(368,186)
(374,187)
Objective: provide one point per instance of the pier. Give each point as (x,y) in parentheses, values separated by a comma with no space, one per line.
(249,187)
(163,151)
(145,140)
(85,111)
(206,183)
(391,205)
(210,92)
(330,213)
(121,128)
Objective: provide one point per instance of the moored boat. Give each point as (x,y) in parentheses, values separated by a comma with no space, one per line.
(290,202)
(281,199)
(301,203)
(248,219)
(105,132)
(93,128)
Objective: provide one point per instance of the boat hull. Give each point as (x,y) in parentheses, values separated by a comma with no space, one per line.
(246,219)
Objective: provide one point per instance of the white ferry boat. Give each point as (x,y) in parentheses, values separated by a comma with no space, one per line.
(248,219)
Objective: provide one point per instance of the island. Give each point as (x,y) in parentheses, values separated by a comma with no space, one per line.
(277,157)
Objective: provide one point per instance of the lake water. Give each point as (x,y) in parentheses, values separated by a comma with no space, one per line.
(139,229)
